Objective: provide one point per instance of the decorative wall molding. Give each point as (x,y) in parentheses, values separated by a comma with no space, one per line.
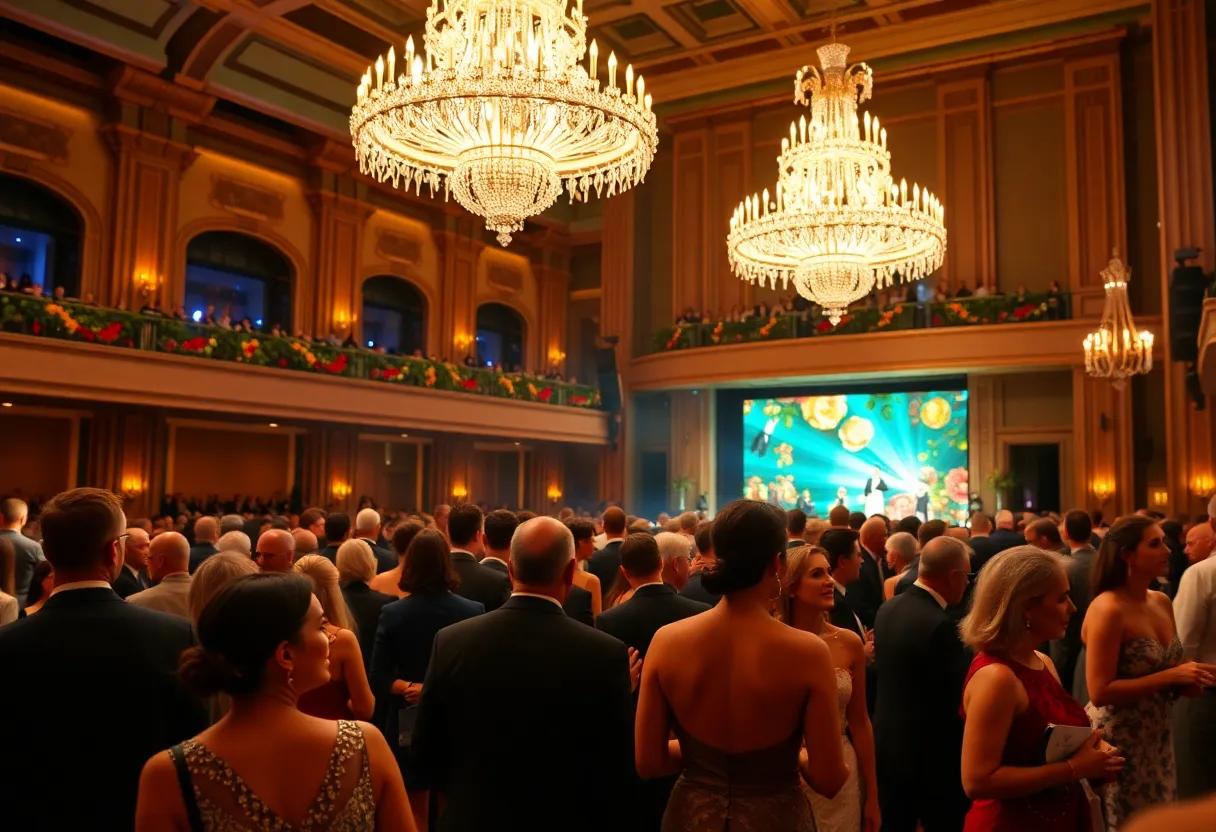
(35,138)
(507,280)
(400,248)
(246,200)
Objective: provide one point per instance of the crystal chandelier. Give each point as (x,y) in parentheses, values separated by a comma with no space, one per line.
(1115,350)
(501,112)
(839,224)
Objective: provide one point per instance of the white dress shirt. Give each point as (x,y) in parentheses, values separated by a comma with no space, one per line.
(491,557)
(81,585)
(936,596)
(1195,611)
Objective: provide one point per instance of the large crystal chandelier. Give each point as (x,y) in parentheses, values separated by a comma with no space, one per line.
(501,112)
(1115,350)
(839,225)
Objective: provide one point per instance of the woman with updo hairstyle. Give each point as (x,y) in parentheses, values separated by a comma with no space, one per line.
(213,575)
(1012,694)
(1133,665)
(743,693)
(263,641)
(347,694)
(389,582)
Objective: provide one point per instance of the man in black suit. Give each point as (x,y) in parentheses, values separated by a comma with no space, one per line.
(795,527)
(206,532)
(367,528)
(865,593)
(606,563)
(927,531)
(844,565)
(1005,537)
(492,735)
(126,653)
(921,667)
(704,560)
(131,578)
(654,604)
(478,582)
(1065,651)
(337,532)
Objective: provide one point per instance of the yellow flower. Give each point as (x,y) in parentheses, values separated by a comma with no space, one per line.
(310,358)
(70,325)
(53,309)
(856,433)
(824,412)
(935,413)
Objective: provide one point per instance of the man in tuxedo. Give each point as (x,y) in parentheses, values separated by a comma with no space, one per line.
(337,532)
(795,527)
(367,527)
(921,668)
(676,551)
(865,593)
(1065,651)
(313,520)
(1005,537)
(606,563)
(13,516)
(206,532)
(86,634)
(705,559)
(654,604)
(478,582)
(168,567)
(130,579)
(844,565)
(492,735)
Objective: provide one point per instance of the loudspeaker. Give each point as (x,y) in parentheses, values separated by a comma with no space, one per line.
(1188,284)
(607,379)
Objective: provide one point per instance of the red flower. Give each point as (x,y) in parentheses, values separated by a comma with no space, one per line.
(825,326)
(337,365)
(282,362)
(375,373)
(390,373)
(937,320)
(545,395)
(469,384)
(578,401)
(1003,316)
(109,333)
(86,333)
(36,328)
(1023,312)
(170,345)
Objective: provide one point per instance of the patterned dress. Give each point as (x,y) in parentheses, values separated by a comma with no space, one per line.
(841,813)
(344,803)
(1142,731)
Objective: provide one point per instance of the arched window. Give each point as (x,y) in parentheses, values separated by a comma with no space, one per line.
(500,336)
(394,315)
(40,236)
(233,274)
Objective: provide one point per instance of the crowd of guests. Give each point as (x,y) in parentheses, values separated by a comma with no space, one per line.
(470,670)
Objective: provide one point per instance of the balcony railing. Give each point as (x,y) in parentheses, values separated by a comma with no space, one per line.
(993,309)
(125,330)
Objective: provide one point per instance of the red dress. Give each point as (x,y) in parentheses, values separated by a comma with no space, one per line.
(1059,809)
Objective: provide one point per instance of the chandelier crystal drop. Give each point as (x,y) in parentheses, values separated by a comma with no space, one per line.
(1115,351)
(501,112)
(838,225)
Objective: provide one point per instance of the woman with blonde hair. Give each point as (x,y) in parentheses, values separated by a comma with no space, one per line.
(806,599)
(356,570)
(213,575)
(1012,694)
(347,694)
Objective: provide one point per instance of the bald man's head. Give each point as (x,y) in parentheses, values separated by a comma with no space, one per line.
(1004,519)
(542,557)
(169,552)
(136,552)
(306,541)
(874,536)
(275,551)
(206,530)
(945,563)
(1199,542)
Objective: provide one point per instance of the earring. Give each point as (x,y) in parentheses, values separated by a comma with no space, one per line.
(779,588)
(290,682)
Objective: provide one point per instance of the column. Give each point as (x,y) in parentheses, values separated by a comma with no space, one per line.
(692,443)
(459,248)
(551,268)
(333,297)
(691,245)
(616,316)
(1184,182)
(965,173)
(1103,446)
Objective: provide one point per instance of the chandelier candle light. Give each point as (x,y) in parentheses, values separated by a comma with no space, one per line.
(1115,350)
(838,224)
(501,112)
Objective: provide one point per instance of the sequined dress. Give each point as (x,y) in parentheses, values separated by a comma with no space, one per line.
(841,813)
(344,802)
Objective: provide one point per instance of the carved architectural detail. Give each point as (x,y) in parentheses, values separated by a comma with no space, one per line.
(41,139)
(245,200)
(399,247)
(505,279)
(148,90)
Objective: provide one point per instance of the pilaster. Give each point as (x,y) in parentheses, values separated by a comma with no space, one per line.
(616,316)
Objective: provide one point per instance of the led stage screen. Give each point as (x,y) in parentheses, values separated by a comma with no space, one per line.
(879,453)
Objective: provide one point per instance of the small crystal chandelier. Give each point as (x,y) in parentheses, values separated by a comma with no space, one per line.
(501,112)
(839,225)
(1115,350)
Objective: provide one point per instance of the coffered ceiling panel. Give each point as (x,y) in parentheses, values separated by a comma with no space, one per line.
(713,19)
(636,36)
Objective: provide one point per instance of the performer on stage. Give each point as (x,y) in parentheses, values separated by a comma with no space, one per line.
(842,496)
(875,498)
(923,512)
(761,440)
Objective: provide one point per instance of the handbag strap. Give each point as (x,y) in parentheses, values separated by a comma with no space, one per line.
(178,756)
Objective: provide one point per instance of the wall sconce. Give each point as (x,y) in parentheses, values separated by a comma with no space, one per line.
(342,319)
(148,283)
(556,356)
(341,490)
(1158,497)
(132,487)
(1203,485)
(554,493)
(459,492)
(1103,489)
(463,342)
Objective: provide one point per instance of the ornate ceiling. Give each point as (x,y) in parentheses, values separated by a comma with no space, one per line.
(300,60)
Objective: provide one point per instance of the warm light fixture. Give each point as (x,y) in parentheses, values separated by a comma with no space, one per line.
(1115,350)
(341,490)
(132,487)
(274,424)
(460,492)
(838,224)
(405,436)
(501,112)
(554,493)
(1203,485)
(148,283)
(1159,497)
(6,404)
(556,356)
(1103,489)
(463,341)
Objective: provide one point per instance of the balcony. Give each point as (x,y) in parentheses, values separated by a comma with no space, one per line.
(78,352)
